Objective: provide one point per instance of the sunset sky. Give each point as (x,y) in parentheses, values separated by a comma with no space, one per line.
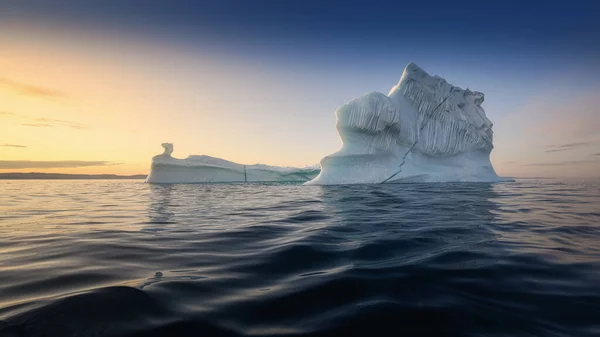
(97,86)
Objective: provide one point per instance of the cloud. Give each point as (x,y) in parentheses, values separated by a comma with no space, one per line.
(47,122)
(37,125)
(568,146)
(565,163)
(560,150)
(26,164)
(13,145)
(60,122)
(577,144)
(30,90)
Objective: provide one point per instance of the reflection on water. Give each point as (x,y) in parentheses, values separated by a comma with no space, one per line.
(418,220)
(123,258)
(557,221)
(160,209)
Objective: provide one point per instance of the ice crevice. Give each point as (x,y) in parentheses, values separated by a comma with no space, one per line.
(413,145)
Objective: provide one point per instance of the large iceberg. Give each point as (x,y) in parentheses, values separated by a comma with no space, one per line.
(424,130)
(205,169)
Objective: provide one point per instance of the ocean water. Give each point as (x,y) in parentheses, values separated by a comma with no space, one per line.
(124,258)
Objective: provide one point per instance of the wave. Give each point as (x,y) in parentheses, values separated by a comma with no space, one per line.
(284,260)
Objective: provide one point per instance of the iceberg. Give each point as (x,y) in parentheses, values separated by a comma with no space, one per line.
(205,169)
(424,130)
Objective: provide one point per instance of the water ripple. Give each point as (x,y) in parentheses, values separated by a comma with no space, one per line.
(123,258)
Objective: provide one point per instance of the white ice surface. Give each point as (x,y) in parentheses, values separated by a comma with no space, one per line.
(424,130)
(205,169)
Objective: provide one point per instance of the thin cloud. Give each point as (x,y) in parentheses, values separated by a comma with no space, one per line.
(560,150)
(38,125)
(61,122)
(577,144)
(564,163)
(568,146)
(27,164)
(13,145)
(46,122)
(30,90)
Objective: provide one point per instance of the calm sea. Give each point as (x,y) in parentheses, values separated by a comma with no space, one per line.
(124,258)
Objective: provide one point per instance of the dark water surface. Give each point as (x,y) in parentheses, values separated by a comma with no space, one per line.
(123,258)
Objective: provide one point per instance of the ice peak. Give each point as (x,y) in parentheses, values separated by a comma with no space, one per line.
(413,68)
(412,72)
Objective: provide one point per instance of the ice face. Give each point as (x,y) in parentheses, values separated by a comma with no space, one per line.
(451,120)
(425,129)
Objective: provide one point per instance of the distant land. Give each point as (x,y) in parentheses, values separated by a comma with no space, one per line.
(37,175)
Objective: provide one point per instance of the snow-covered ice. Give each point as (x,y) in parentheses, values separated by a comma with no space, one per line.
(205,169)
(424,130)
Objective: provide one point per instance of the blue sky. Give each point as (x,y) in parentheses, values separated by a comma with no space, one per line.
(258,81)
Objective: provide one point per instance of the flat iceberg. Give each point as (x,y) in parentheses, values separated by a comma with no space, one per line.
(424,130)
(205,169)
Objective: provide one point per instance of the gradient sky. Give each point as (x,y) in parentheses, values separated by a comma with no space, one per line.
(97,86)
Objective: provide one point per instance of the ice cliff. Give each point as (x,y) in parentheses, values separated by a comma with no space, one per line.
(424,130)
(205,169)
